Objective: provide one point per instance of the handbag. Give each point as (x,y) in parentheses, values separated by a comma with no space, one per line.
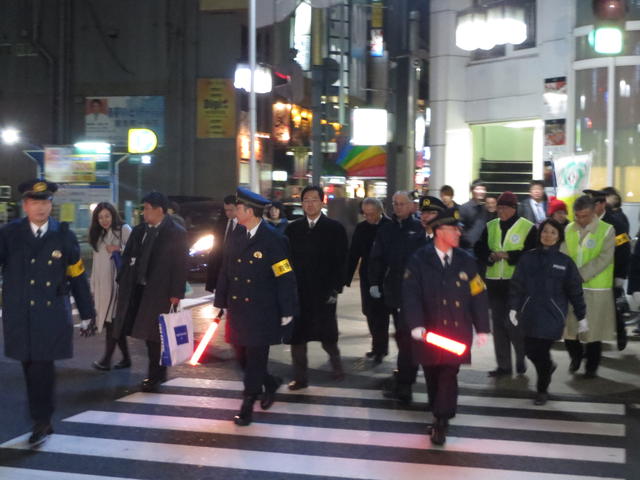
(176,336)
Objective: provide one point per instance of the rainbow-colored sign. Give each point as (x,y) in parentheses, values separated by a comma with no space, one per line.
(362,161)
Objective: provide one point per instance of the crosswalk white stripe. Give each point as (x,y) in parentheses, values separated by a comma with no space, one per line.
(26,474)
(365,413)
(355,437)
(368,394)
(274,461)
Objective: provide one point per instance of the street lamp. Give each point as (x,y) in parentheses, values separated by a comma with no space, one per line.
(10,136)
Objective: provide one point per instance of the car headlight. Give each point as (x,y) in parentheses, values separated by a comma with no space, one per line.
(203,245)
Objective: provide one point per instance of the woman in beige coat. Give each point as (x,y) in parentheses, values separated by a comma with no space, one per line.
(107,235)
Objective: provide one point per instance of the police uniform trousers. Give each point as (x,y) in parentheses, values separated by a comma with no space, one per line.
(156,372)
(538,350)
(442,389)
(253,361)
(504,332)
(377,314)
(407,370)
(40,379)
(300,360)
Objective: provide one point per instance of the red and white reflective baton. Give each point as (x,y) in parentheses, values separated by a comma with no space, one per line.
(445,343)
(204,342)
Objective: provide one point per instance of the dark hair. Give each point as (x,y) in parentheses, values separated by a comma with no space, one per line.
(477,183)
(174,206)
(446,190)
(611,191)
(490,196)
(312,188)
(229,200)
(280,208)
(555,224)
(258,212)
(157,199)
(96,232)
(95,100)
(584,202)
(539,183)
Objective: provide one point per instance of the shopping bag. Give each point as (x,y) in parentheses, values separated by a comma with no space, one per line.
(176,337)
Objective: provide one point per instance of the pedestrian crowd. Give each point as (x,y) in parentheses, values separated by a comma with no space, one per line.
(443,273)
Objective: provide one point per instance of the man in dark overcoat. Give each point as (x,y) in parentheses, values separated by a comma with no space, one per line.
(41,266)
(444,294)
(394,244)
(257,287)
(319,248)
(374,309)
(152,278)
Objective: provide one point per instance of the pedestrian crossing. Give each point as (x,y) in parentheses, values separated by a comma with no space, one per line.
(185,431)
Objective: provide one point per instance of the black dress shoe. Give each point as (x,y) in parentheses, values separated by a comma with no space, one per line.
(590,374)
(269,395)
(124,363)
(439,432)
(574,366)
(499,372)
(245,416)
(377,358)
(99,365)
(40,434)
(401,393)
(541,399)
(151,384)
(297,385)
(370,354)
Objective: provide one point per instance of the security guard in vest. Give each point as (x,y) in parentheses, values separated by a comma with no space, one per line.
(621,257)
(41,266)
(590,242)
(501,244)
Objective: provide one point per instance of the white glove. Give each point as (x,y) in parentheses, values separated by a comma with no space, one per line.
(481,339)
(619,282)
(636,298)
(513,316)
(418,333)
(84,324)
(374,291)
(286,320)
(583,326)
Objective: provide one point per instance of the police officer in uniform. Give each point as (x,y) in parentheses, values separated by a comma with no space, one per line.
(257,288)
(444,294)
(41,266)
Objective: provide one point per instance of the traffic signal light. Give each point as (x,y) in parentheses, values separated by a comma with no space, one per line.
(607,37)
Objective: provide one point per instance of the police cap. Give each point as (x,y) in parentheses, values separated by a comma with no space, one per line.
(448,216)
(250,199)
(428,203)
(38,189)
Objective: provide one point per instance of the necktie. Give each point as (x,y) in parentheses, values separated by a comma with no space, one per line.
(38,233)
(447,262)
(312,224)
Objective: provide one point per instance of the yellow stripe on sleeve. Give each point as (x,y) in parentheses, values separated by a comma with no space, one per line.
(76,269)
(281,267)
(622,239)
(476,285)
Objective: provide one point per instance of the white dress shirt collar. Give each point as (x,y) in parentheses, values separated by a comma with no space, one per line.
(43,228)
(442,254)
(253,231)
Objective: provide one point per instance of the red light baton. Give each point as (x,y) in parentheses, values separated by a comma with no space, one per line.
(204,341)
(445,343)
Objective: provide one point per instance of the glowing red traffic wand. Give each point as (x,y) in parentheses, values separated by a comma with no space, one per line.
(445,343)
(204,341)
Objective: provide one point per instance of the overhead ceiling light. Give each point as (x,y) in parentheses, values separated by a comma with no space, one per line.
(485,27)
(10,136)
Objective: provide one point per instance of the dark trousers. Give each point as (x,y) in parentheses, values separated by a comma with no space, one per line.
(40,379)
(156,371)
(301,362)
(377,314)
(505,334)
(592,352)
(442,389)
(538,350)
(253,362)
(110,345)
(407,370)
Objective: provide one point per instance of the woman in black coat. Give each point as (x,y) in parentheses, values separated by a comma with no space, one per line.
(544,283)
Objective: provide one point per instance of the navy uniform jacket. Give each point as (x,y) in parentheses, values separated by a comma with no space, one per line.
(257,287)
(38,275)
(449,303)
(394,244)
(623,245)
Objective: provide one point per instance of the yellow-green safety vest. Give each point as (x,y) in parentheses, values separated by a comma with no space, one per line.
(590,248)
(513,240)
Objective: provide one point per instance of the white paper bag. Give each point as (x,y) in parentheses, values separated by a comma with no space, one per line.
(176,336)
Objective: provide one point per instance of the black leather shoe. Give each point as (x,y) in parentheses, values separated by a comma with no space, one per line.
(269,395)
(370,354)
(99,365)
(245,415)
(401,393)
(541,399)
(499,372)
(124,363)
(40,434)
(377,358)
(590,374)
(622,340)
(151,384)
(297,385)
(574,366)
(439,432)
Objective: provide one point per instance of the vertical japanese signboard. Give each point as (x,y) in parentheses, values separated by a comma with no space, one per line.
(216,108)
